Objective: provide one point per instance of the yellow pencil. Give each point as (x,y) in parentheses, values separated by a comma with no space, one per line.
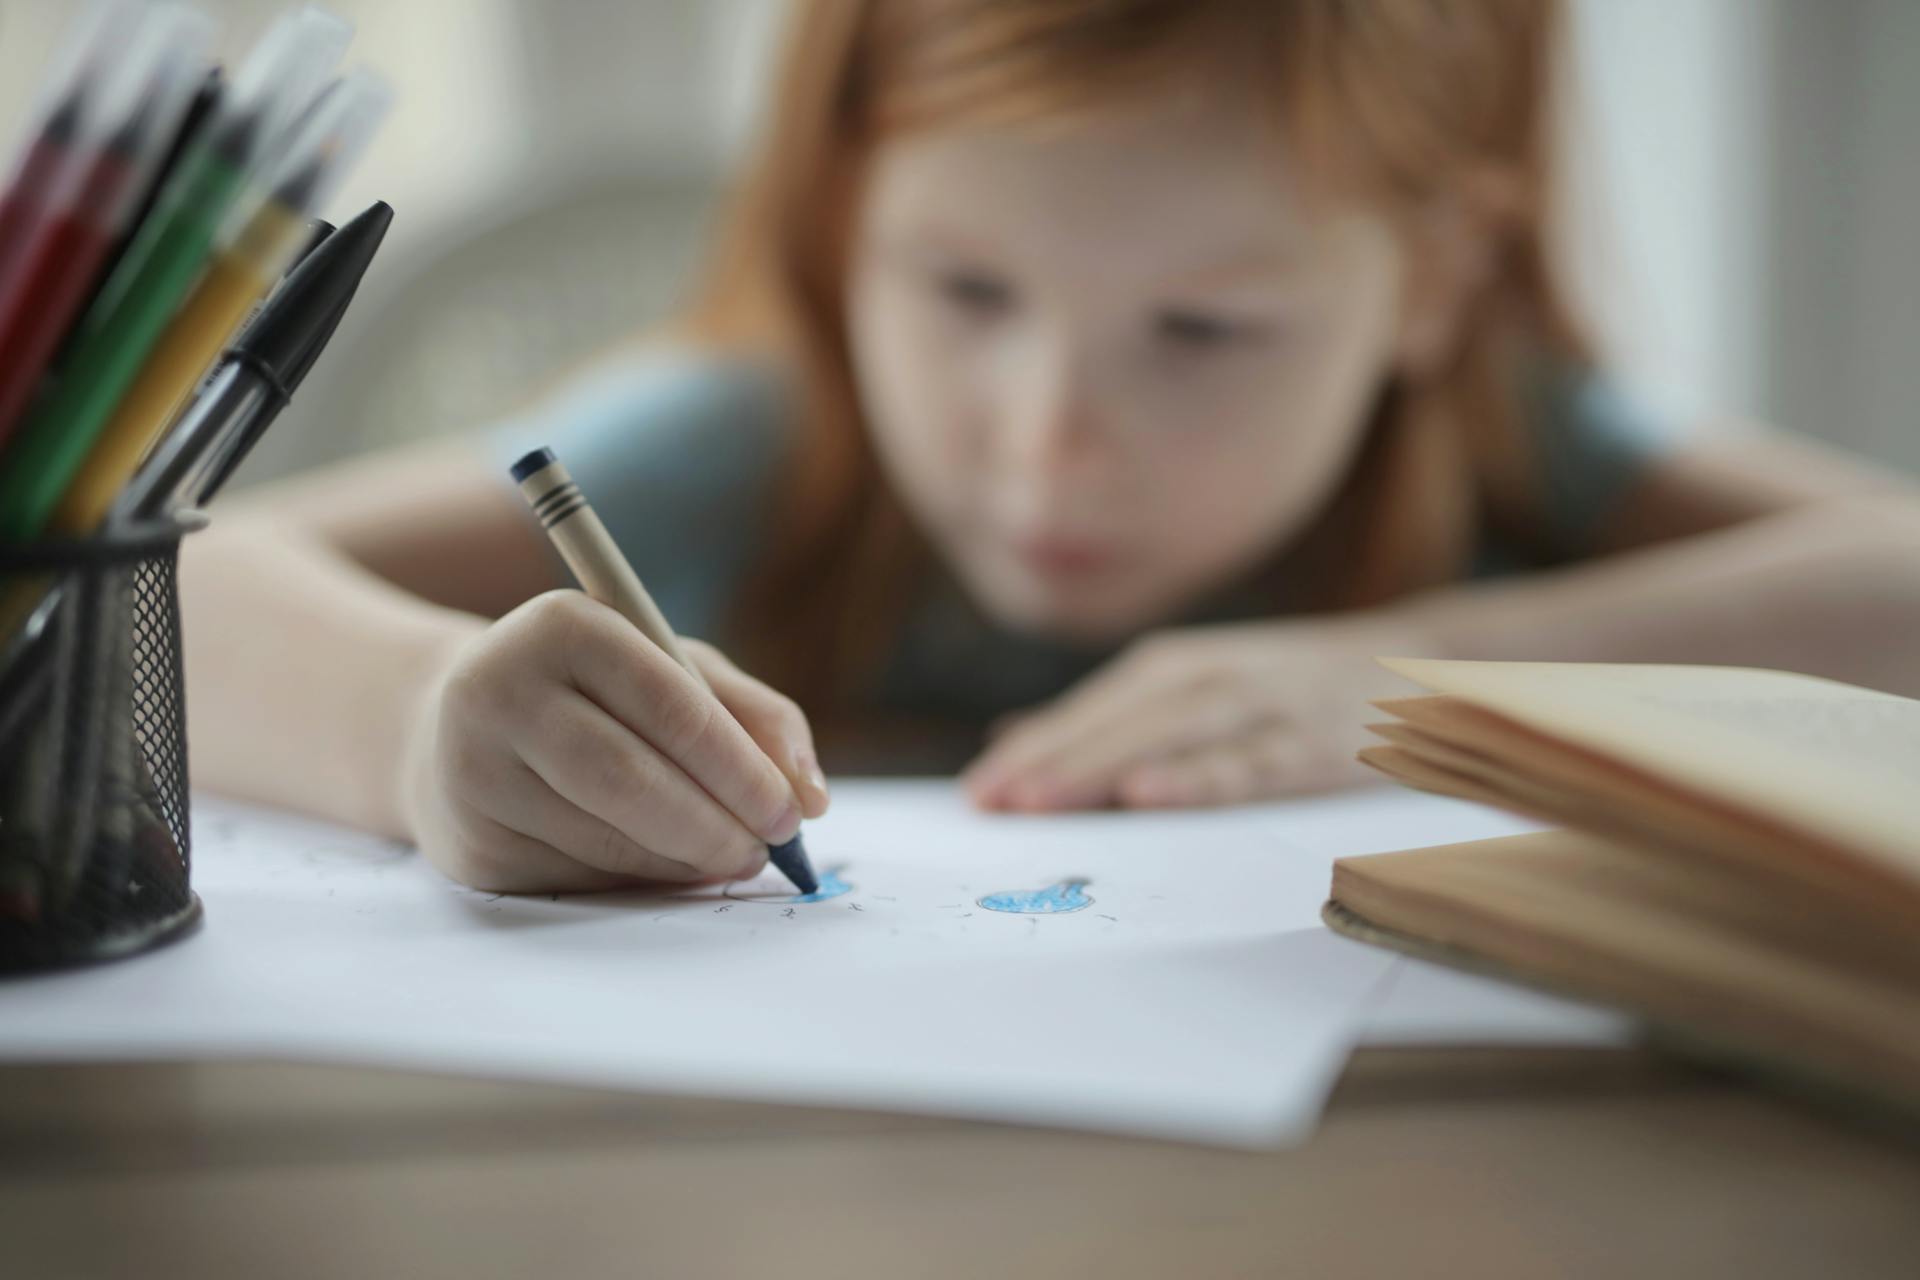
(258,249)
(235,280)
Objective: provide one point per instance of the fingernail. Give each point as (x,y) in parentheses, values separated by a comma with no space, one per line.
(809,783)
(811,774)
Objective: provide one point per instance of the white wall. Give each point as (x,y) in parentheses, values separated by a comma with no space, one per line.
(1760,161)
(1669,229)
(1842,347)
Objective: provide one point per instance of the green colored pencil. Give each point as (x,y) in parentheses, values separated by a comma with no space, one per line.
(119,327)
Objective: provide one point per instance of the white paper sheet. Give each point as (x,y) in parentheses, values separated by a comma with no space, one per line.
(1425,1004)
(1149,974)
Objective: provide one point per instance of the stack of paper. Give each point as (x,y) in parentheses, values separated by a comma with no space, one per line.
(1160,975)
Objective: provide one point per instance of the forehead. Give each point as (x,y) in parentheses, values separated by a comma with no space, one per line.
(1183,178)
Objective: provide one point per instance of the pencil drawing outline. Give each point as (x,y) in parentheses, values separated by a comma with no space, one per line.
(833,884)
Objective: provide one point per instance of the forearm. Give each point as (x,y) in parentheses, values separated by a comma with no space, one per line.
(304,671)
(1832,590)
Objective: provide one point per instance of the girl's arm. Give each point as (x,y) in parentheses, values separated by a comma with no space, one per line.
(316,611)
(1757,552)
(342,659)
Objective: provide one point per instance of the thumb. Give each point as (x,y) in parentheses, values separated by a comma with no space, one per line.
(773,720)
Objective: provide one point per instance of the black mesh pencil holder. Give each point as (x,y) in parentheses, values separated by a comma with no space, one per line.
(94,839)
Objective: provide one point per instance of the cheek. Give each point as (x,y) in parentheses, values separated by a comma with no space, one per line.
(1226,500)
(1268,448)
(913,398)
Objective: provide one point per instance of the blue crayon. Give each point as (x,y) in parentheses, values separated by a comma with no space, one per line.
(791,859)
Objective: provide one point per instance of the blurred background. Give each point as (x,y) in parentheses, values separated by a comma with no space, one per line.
(1747,182)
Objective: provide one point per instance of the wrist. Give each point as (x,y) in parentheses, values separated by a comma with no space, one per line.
(425,671)
(1428,625)
(1433,624)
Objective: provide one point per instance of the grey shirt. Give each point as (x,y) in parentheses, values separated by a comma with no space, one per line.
(679,451)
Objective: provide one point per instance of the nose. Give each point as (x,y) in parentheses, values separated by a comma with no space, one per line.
(1050,432)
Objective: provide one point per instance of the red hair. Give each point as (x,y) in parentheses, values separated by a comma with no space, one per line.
(1415,106)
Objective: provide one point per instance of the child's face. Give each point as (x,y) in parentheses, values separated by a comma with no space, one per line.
(1111,369)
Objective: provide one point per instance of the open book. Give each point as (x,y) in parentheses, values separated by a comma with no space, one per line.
(1740,863)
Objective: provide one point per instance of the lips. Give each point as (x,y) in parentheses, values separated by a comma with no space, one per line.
(1065,557)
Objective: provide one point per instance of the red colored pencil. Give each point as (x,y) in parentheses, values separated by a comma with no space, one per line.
(56,276)
(24,203)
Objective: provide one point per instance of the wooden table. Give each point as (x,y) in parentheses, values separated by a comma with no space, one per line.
(1484,1164)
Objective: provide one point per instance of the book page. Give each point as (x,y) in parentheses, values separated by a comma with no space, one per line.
(1875,734)
(1812,754)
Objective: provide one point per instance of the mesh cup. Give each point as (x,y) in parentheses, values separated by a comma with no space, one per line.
(95,842)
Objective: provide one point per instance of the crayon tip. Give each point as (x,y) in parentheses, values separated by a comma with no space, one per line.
(791,859)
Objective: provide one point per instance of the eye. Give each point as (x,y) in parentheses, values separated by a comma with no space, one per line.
(1204,331)
(975,292)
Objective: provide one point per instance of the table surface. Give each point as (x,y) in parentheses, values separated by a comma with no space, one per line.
(1484,1163)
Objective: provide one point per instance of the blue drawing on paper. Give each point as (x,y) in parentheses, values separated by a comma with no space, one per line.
(832,885)
(1055,899)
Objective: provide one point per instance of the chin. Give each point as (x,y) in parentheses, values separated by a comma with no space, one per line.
(1090,617)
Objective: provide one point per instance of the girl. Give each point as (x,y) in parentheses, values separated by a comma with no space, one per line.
(1139,366)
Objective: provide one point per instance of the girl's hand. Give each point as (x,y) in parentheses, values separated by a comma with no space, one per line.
(1214,715)
(561,750)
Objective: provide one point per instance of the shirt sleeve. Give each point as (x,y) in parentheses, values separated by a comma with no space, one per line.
(1592,442)
(678,453)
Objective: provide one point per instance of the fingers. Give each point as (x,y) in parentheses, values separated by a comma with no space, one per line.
(1069,754)
(590,842)
(648,693)
(1083,761)
(773,720)
(495,858)
(594,764)
(1263,765)
(1046,733)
